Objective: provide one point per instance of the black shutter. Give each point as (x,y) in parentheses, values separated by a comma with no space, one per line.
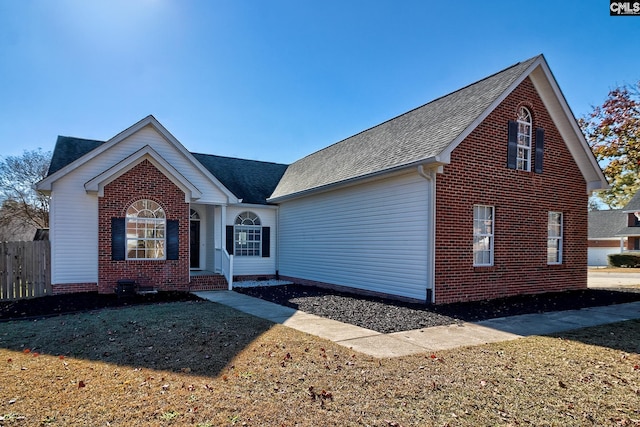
(118,234)
(512,145)
(173,239)
(230,239)
(266,242)
(539,149)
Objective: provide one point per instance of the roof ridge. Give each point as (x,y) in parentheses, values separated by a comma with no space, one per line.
(237,158)
(84,139)
(424,105)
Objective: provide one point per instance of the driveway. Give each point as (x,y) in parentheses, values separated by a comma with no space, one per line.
(613,279)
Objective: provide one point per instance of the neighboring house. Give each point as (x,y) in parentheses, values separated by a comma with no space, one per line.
(603,236)
(614,231)
(629,233)
(479,194)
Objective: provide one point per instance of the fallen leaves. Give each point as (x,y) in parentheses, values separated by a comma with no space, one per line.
(322,396)
(506,384)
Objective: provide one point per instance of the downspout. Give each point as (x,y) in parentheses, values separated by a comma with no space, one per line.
(431,238)
(277,251)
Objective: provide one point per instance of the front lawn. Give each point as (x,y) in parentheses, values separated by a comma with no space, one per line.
(202,364)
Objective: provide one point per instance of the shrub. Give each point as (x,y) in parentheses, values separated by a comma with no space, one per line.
(624,260)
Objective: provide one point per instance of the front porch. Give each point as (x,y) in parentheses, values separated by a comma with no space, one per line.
(211,266)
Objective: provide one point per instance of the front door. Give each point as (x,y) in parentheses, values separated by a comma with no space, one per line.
(194,241)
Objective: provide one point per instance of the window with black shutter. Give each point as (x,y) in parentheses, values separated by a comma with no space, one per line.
(512,144)
(118,234)
(539,150)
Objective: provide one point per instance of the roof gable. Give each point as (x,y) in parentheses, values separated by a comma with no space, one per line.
(634,204)
(97,184)
(248,181)
(428,135)
(79,152)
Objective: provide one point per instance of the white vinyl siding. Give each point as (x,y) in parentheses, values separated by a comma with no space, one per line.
(372,236)
(74,237)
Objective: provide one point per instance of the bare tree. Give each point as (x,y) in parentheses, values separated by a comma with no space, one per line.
(23,209)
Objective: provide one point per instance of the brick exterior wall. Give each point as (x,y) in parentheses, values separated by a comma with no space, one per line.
(478,175)
(144,181)
(72,288)
(605,243)
(208,283)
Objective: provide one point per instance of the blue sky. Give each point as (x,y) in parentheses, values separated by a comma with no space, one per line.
(276,80)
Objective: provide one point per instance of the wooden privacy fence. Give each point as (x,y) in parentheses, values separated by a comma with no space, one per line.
(25,269)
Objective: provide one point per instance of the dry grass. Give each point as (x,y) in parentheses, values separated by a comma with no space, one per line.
(203,364)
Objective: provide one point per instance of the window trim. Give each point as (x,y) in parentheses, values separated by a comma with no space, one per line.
(525,120)
(158,217)
(559,239)
(247,231)
(489,236)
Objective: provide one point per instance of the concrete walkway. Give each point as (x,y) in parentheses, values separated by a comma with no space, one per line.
(428,339)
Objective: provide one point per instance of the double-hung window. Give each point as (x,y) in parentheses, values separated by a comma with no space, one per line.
(247,235)
(554,239)
(483,222)
(523,158)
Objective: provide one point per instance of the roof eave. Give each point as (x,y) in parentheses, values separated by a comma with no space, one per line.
(45,185)
(566,123)
(431,162)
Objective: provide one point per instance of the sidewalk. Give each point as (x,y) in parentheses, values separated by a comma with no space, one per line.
(428,339)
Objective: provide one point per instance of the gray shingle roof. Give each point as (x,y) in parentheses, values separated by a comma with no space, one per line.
(413,137)
(68,149)
(606,224)
(250,180)
(634,203)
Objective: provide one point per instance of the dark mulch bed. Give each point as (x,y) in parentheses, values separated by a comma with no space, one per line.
(79,302)
(386,315)
(380,314)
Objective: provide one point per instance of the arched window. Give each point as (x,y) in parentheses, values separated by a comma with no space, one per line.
(247,234)
(146,230)
(524,140)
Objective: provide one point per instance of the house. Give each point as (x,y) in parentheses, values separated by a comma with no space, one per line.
(613,232)
(602,236)
(481,193)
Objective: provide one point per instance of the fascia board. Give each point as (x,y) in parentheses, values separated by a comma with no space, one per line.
(46,184)
(253,206)
(232,198)
(446,153)
(96,185)
(562,116)
(433,162)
